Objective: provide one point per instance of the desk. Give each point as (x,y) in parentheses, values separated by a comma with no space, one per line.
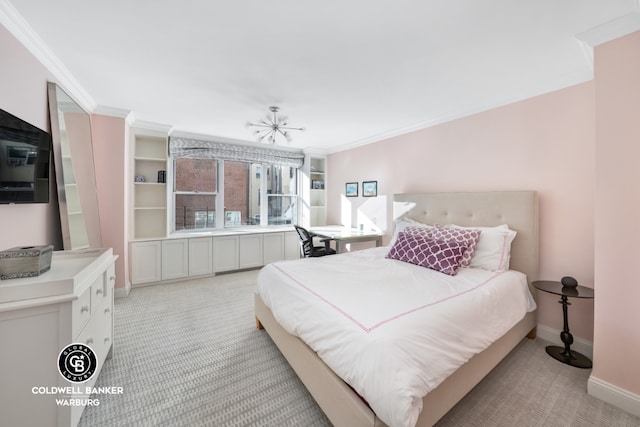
(565,354)
(344,235)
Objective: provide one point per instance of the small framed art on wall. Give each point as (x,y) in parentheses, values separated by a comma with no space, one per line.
(351,189)
(369,188)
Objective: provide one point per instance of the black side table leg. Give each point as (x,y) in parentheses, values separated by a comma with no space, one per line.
(565,355)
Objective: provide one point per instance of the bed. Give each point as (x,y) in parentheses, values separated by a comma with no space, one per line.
(342,405)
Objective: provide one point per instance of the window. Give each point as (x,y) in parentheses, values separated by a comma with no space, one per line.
(195,191)
(212,193)
(281,195)
(241,194)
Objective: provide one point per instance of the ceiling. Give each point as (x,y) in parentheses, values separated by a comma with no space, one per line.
(350,72)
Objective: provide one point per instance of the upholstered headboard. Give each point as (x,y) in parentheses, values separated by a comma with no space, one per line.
(518,209)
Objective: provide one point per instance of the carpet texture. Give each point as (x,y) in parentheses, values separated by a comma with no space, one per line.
(189,354)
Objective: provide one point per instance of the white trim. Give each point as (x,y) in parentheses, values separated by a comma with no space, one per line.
(564,81)
(104,110)
(553,336)
(122,292)
(613,395)
(150,128)
(611,30)
(587,51)
(11,19)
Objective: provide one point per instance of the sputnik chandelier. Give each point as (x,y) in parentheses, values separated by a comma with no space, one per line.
(272,127)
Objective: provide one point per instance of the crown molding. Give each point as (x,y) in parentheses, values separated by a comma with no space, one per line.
(564,81)
(11,19)
(608,31)
(315,151)
(611,30)
(104,110)
(143,126)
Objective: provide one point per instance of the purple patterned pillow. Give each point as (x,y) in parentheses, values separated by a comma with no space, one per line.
(419,250)
(420,230)
(464,236)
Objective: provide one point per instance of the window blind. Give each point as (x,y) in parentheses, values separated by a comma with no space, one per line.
(200,149)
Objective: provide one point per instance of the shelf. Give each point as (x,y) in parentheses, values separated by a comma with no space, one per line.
(150,159)
(72,198)
(67,171)
(150,208)
(149,170)
(316,197)
(150,195)
(150,147)
(79,238)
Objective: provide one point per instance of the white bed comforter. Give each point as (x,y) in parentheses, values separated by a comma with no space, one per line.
(392,330)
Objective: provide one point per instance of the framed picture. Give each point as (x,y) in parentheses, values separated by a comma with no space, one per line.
(317,184)
(369,188)
(351,189)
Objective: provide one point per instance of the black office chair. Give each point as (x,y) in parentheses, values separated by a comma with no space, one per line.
(306,243)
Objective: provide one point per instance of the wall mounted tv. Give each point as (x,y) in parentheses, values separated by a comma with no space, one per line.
(25,155)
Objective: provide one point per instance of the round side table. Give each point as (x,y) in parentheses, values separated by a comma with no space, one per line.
(565,354)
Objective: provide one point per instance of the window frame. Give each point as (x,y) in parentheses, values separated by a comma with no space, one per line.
(219,198)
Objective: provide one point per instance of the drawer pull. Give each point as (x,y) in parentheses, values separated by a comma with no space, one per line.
(107,310)
(98,291)
(112,278)
(107,339)
(89,340)
(84,308)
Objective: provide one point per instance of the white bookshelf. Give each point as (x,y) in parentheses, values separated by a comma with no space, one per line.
(149,195)
(317,192)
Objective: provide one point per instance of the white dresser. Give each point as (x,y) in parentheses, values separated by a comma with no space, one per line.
(40,316)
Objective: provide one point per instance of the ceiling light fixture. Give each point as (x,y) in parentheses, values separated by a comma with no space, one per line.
(272,127)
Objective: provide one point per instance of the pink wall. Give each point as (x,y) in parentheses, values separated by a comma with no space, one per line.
(617,211)
(111,153)
(23,93)
(544,144)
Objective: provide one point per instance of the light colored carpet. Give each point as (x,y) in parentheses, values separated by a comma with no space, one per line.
(188,354)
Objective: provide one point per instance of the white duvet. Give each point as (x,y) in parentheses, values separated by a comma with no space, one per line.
(392,330)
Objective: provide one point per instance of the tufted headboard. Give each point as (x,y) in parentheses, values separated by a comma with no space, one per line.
(518,209)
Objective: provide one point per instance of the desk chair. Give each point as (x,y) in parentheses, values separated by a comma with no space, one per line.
(306,244)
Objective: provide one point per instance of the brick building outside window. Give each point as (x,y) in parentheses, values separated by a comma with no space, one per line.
(204,188)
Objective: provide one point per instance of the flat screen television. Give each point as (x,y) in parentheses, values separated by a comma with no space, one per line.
(25,155)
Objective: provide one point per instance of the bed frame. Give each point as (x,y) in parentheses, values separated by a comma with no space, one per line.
(339,402)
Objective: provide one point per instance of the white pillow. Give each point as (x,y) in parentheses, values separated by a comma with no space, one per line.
(402,223)
(493,250)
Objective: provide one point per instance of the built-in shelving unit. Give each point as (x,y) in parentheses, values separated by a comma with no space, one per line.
(149,195)
(317,199)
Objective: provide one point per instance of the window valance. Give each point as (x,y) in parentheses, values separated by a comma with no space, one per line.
(200,149)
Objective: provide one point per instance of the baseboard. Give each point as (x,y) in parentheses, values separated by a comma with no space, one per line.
(122,292)
(553,336)
(613,395)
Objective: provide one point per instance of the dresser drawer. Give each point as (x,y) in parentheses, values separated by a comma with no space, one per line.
(81,311)
(98,293)
(110,280)
(97,333)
